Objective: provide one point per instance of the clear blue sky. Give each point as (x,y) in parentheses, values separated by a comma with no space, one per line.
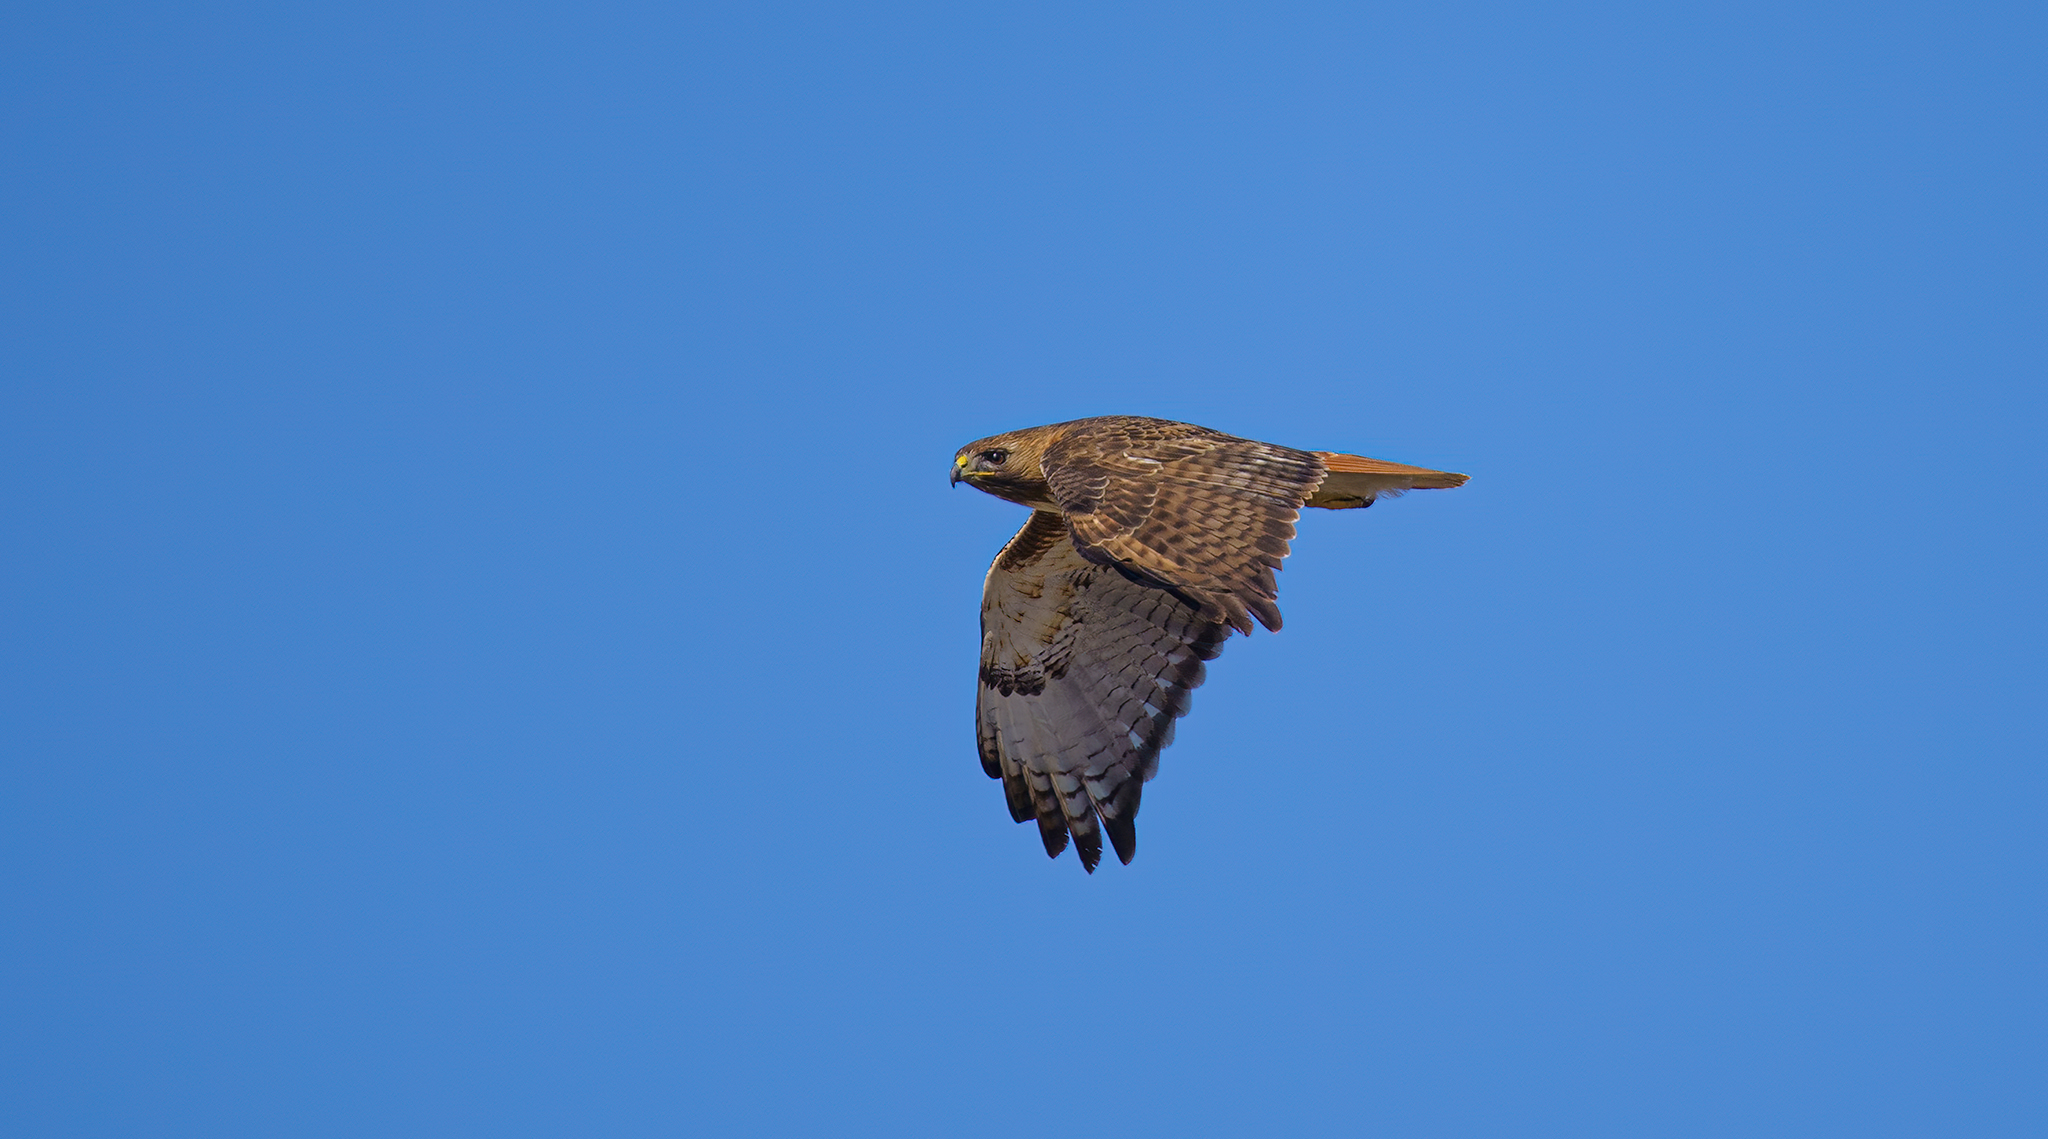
(490,646)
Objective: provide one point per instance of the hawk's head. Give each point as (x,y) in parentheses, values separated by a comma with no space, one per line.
(1009,466)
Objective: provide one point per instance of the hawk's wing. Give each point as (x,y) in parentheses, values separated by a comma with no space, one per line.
(1204,514)
(1083,672)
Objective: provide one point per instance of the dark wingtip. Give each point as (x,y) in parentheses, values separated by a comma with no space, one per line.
(1017,795)
(1120,814)
(1021,809)
(1052,832)
(1123,835)
(1088,844)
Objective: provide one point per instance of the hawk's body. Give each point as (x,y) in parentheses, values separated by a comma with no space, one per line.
(1149,543)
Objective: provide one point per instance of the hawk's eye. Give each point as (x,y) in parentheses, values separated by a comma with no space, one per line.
(994,458)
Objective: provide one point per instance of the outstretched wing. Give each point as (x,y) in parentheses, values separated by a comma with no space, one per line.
(1201,513)
(1083,672)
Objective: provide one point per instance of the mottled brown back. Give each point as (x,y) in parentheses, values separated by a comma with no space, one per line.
(1203,514)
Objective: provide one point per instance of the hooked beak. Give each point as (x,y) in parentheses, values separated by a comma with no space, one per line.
(959,465)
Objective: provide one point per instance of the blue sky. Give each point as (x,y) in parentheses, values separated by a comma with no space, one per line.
(490,646)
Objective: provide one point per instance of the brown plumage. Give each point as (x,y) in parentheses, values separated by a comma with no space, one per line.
(1149,543)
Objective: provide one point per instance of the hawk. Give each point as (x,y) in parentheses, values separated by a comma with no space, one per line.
(1149,543)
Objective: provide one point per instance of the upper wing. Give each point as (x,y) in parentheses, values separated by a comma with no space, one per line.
(1083,672)
(1201,513)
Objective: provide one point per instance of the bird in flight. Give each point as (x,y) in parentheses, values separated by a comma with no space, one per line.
(1149,543)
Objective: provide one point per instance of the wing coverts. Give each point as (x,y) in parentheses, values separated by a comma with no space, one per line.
(1201,513)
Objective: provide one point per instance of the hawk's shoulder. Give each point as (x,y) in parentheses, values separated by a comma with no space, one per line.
(1186,508)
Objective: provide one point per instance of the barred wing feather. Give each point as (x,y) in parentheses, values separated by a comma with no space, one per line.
(1084,670)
